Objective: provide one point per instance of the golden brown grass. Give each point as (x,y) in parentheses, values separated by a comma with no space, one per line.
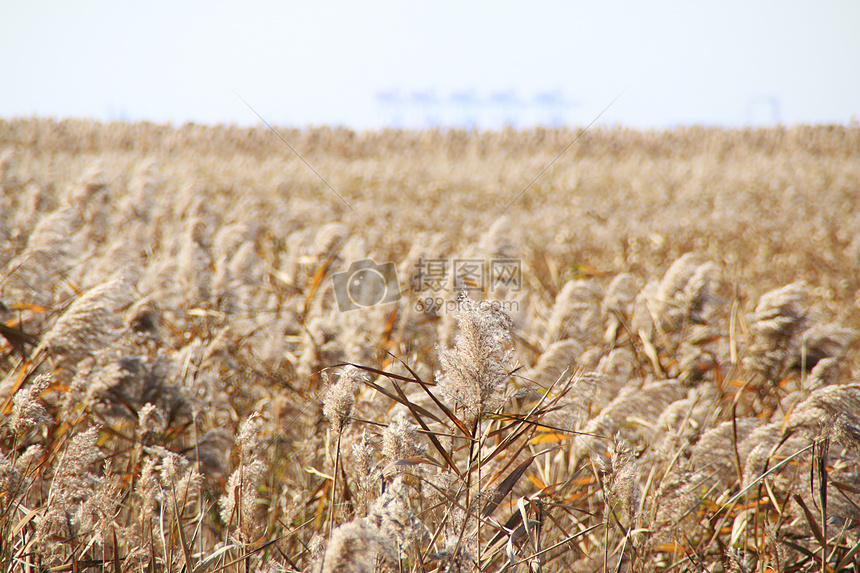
(673,387)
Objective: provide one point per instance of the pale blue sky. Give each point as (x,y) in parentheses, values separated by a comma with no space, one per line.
(681,62)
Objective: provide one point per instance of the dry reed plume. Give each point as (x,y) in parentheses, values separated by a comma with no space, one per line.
(669,384)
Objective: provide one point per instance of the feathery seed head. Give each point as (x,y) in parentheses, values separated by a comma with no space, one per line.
(779,313)
(837,405)
(354,548)
(368,475)
(150,418)
(576,313)
(149,488)
(686,292)
(620,475)
(400,438)
(249,439)
(474,372)
(27,412)
(240,504)
(72,485)
(363,451)
(79,455)
(396,519)
(88,323)
(30,459)
(340,398)
(10,478)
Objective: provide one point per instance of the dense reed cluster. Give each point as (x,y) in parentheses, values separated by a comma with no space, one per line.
(650,365)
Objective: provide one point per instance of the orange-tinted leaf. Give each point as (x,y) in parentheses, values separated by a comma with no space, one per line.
(550,438)
(27,306)
(538,483)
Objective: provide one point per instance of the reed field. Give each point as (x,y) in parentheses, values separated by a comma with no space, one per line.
(434,351)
